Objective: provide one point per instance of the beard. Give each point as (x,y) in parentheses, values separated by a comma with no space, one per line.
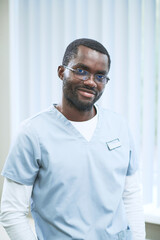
(72,98)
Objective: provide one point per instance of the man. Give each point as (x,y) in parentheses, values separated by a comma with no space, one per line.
(76,161)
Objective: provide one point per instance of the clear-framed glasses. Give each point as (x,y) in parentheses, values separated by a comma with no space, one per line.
(85,75)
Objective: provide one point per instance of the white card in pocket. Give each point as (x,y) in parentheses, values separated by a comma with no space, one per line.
(115,143)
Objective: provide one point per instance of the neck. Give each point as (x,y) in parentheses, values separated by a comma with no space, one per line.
(73,114)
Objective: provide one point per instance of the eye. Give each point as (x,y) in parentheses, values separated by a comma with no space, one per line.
(100,76)
(81,71)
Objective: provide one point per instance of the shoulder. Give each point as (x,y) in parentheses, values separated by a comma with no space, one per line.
(31,126)
(39,119)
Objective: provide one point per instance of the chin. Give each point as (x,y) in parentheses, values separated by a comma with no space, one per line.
(84,106)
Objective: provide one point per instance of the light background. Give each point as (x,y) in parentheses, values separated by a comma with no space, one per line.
(34,35)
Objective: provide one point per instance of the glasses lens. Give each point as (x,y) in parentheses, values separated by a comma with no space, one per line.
(81,74)
(100,78)
(80,71)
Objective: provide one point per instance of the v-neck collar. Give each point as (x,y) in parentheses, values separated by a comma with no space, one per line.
(72,129)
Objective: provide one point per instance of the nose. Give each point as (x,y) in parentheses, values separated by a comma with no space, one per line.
(90,81)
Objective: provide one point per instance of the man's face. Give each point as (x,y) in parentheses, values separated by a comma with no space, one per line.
(83,94)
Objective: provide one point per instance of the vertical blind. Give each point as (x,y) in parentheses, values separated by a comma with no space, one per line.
(130,30)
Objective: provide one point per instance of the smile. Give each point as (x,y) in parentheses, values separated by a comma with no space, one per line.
(87,93)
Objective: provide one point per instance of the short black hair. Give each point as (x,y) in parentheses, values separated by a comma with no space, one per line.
(72,49)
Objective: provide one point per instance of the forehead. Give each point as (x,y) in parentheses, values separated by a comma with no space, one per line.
(91,58)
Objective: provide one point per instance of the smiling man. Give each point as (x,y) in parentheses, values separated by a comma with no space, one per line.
(89,69)
(76,161)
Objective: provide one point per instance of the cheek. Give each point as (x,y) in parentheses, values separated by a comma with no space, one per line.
(101,88)
(67,85)
(71,83)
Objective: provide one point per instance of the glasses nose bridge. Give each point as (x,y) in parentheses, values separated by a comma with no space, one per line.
(90,77)
(90,80)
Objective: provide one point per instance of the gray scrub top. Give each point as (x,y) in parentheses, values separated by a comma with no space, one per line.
(77,185)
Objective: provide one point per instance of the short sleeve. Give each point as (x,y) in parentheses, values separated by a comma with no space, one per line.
(133,158)
(23,161)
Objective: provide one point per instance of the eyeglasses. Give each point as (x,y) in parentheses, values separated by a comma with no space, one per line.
(85,75)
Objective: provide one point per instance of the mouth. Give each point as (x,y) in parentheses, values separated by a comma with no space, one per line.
(87,92)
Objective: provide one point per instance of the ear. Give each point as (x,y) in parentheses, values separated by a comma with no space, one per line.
(61,72)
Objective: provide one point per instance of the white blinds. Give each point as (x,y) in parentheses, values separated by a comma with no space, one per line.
(148,96)
(40,31)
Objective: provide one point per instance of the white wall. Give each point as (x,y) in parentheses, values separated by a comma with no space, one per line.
(4,84)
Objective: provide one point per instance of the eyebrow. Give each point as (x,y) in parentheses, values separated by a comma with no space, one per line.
(85,67)
(81,65)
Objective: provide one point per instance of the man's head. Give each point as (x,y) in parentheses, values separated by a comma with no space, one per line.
(86,64)
(72,49)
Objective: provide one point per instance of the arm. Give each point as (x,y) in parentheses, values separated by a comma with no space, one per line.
(14,210)
(133,205)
